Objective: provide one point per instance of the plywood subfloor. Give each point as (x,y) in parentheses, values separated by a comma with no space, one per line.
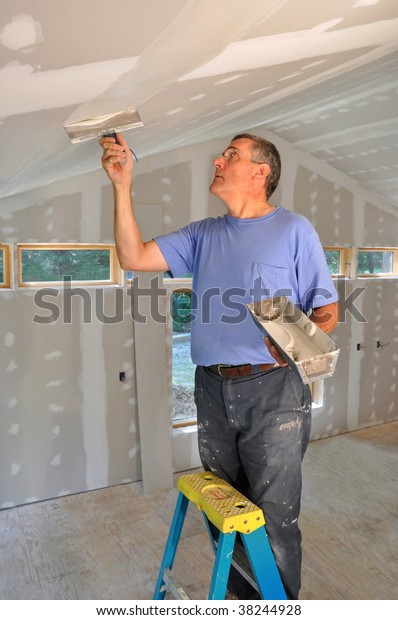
(108,544)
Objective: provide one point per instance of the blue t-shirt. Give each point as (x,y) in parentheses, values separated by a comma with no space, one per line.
(234,261)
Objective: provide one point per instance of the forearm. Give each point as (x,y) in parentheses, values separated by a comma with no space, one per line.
(129,244)
(326,317)
(132,252)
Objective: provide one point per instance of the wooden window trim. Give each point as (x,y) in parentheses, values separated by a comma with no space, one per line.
(383,275)
(115,271)
(345,263)
(6,251)
(191,422)
(169,283)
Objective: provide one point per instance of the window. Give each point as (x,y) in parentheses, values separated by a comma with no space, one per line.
(181,311)
(54,264)
(338,261)
(183,370)
(377,262)
(5,266)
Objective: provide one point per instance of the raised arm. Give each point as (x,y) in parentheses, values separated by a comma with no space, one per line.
(132,252)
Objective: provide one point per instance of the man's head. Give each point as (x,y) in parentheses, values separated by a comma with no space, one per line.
(265,152)
(248,165)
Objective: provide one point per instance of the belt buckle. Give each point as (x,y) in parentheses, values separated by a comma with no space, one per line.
(222,366)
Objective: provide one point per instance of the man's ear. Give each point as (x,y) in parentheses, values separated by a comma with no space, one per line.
(264,170)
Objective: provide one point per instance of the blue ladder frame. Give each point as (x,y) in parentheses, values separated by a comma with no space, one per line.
(257,548)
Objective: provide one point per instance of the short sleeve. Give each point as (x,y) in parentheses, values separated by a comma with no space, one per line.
(178,249)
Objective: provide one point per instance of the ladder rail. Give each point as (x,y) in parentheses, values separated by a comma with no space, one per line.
(171,545)
(228,511)
(262,562)
(222,566)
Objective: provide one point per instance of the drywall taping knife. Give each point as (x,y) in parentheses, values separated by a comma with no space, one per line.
(106,125)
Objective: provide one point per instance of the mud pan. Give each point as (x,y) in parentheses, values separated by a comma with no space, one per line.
(90,128)
(296,337)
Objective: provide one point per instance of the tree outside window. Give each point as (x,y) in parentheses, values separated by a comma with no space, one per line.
(375,262)
(183,370)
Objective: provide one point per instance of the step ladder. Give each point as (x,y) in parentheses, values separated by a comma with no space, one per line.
(229,512)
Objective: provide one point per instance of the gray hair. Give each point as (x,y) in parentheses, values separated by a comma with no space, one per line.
(265,152)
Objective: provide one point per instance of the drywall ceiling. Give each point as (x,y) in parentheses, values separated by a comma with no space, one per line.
(321,75)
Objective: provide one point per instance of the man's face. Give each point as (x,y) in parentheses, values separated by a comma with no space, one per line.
(234,170)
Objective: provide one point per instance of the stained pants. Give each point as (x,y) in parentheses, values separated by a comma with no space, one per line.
(253,433)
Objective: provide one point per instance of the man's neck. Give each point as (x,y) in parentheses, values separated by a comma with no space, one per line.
(250,209)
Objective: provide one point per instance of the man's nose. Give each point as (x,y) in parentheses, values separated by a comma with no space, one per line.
(218,161)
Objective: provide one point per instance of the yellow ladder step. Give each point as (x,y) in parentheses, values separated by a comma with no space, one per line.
(229,510)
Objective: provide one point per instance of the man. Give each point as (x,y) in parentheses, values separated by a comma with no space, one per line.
(254,412)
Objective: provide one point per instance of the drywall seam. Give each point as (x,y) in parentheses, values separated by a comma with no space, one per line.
(93,387)
(309,111)
(354,370)
(22,87)
(359,220)
(299,45)
(93,376)
(176,51)
(152,391)
(350,135)
(357,329)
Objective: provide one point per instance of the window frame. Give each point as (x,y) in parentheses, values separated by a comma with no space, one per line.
(175,285)
(5,249)
(345,261)
(115,271)
(385,274)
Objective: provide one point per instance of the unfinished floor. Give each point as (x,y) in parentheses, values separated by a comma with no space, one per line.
(108,544)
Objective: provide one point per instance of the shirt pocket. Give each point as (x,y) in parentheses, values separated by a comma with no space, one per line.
(269,281)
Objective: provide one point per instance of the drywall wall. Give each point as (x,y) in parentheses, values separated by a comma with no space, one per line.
(66,422)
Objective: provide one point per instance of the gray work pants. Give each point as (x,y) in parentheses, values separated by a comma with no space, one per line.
(253,432)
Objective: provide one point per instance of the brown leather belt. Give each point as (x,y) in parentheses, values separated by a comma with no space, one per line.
(245,370)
